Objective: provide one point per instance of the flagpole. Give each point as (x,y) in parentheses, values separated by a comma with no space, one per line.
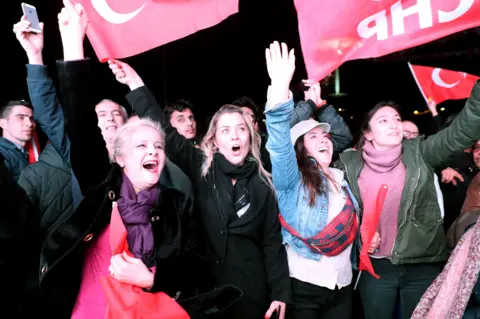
(338,92)
(416,81)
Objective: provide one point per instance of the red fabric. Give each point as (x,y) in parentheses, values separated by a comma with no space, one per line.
(440,85)
(33,149)
(130,302)
(121,28)
(358,29)
(335,236)
(368,229)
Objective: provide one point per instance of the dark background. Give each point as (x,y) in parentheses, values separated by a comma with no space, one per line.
(217,65)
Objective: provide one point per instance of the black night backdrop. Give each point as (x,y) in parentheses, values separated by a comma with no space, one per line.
(215,66)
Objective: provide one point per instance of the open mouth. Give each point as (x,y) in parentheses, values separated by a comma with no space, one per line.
(323,150)
(236,148)
(151,166)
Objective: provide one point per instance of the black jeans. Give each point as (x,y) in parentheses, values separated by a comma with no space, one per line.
(408,282)
(315,302)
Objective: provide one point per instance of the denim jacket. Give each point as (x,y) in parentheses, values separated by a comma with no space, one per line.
(292,196)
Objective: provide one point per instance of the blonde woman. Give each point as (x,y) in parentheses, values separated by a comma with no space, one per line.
(153,200)
(235,199)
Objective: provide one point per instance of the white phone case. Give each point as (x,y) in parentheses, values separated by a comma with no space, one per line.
(30,12)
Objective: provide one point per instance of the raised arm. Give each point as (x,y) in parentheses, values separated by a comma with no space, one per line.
(47,109)
(88,153)
(178,149)
(280,65)
(458,136)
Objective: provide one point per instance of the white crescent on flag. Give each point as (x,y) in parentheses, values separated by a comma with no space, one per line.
(438,80)
(104,10)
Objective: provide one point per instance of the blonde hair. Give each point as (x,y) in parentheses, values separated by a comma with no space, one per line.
(124,135)
(208,146)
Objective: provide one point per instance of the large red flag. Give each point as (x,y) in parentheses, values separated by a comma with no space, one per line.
(334,32)
(122,28)
(440,85)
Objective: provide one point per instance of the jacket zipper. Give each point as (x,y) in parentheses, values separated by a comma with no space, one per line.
(414,188)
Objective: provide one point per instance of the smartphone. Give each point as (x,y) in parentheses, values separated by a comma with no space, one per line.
(30,12)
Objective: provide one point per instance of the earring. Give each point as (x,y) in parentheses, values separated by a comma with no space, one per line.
(215,149)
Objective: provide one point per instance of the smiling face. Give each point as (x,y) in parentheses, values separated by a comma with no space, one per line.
(319,146)
(232,137)
(110,118)
(385,129)
(139,150)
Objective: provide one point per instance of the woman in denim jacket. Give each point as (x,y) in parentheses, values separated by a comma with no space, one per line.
(319,214)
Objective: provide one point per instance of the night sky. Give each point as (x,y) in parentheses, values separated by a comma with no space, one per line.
(215,66)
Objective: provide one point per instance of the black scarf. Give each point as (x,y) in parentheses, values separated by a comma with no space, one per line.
(230,198)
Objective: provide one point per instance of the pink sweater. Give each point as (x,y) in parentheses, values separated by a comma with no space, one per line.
(383,167)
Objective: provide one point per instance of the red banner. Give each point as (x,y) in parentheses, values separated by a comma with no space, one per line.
(355,29)
(440,85)
(122,28)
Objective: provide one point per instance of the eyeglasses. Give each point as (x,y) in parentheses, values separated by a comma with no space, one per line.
(410,134)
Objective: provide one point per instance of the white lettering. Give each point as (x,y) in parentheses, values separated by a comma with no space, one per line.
(422,8)
(464,6)
(378,24)
(380,28)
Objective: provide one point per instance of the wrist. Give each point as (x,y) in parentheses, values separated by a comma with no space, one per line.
(35,58)
(434,113)
(135,83)
(73,52)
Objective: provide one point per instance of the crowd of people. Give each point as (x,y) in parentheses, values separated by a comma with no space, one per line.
(247,221)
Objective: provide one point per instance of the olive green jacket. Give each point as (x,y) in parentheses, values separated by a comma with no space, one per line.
(420,236)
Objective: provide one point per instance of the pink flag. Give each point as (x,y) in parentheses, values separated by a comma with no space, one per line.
(332,32)
(122,28)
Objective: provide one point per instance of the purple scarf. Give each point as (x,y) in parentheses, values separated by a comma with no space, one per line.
(135,212)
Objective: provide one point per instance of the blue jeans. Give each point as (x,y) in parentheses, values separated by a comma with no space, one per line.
(406,282)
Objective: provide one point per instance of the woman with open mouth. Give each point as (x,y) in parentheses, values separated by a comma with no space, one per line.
(235,200)
(319,215)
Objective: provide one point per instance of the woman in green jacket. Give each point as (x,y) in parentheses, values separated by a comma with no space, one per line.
(409,248)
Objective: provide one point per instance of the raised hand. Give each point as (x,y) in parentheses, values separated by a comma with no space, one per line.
(280,67)
(432,106)
(125,74)
(314,91)
(73,23)
(31,42)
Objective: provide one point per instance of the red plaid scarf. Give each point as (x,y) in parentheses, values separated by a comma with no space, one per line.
(336,236)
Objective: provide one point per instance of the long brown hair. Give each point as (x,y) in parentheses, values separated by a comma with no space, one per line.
(208,147)
(311,177)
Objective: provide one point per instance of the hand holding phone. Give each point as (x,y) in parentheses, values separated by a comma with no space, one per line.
(30,13)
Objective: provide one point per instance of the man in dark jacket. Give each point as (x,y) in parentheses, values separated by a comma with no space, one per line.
(16,121)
